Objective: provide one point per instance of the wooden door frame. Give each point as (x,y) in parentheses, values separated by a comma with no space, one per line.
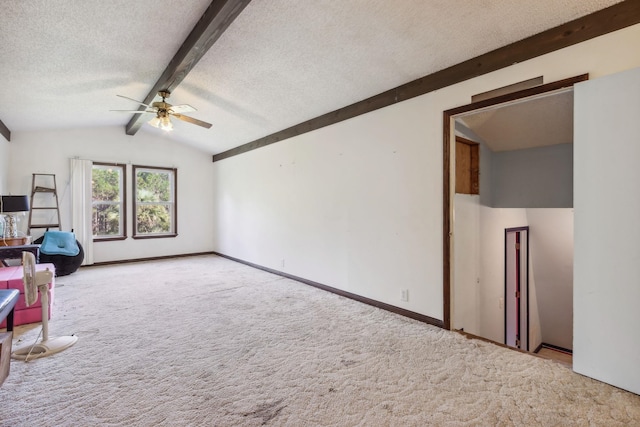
(524,229)
(448,141)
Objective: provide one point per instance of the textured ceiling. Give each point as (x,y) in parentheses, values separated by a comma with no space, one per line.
(281,62)
(547,120)
(63,62)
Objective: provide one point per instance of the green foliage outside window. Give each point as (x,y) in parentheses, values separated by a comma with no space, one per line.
(154,202)
(106,203)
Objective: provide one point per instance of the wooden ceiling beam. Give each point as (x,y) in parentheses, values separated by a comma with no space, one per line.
(215,20)
(602,22)
(4,131)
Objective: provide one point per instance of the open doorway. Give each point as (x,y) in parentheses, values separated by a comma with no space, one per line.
(509,196)
(516,288)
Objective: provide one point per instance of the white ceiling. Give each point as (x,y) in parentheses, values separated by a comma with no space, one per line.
(538,122)
(281,62)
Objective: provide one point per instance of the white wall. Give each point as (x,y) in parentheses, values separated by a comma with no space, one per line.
(50,151)
(607,231)
(551,245)
(4,165)
(478,278)
(358,205)
(540,177)
(493,222)
(479,271)
(466,278)
(535,331)
(333,203)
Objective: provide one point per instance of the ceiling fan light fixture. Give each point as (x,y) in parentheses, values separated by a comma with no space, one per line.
(165,124)
(155,122)
(163,110)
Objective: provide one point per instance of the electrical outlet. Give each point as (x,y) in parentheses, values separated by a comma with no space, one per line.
(405,295)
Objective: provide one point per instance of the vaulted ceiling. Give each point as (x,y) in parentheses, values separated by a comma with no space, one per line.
(541,121)
(277,64)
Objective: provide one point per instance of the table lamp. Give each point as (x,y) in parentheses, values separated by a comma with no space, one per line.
(10,206)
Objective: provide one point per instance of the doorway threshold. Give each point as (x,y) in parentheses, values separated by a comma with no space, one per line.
(555,354)
(548,353)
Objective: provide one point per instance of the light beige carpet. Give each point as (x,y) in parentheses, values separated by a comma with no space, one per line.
(204,341)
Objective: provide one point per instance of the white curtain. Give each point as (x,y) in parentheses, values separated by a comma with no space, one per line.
(81,209)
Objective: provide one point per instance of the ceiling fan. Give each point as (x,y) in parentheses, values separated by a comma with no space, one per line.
(164,110)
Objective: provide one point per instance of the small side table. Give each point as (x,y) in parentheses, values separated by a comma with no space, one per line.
(13,241)
(8,300)
(13,252)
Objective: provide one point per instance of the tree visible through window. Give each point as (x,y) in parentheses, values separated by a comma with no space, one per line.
(155,202)
(108,201)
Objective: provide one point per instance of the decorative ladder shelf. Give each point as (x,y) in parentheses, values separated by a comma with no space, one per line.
(44,197)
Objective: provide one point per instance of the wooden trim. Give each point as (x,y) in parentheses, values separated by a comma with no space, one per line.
(534,353)
(108,239)
(356,297)
(153,236)
(446,222)
(504,289)
(446,159)
(526,278)
(526,84)
(359,298)
(467,166)
(522,229)
(475,169)
(499,344)
(613,18)
(154,258)
(521,94)
(466,141)
(556,348)
(4,131)
(174,232)
(215,20)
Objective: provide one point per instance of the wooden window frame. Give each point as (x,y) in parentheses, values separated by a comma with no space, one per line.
(174,204)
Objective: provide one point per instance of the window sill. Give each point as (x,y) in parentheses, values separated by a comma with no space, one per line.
(108,239)
(153,236)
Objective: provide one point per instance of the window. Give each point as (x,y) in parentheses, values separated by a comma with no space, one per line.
(155,202)
(108,202)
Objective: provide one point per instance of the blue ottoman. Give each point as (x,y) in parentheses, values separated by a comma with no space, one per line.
(62,250)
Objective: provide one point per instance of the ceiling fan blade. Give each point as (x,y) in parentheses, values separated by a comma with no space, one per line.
(192,120)
(134,111)
(183,108)
(131,99)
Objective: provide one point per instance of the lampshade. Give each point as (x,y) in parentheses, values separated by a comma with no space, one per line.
(165,124)
(155,122)
(14,204)
(162,122)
